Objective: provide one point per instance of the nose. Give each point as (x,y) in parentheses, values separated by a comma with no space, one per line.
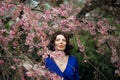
(61,42)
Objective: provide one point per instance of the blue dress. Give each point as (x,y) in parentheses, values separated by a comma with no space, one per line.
(70,72)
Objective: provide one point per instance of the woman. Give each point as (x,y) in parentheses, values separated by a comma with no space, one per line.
(60,61)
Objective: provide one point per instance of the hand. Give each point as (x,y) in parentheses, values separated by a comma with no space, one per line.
(45,55)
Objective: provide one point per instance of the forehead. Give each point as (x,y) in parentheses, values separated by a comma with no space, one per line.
(60,36)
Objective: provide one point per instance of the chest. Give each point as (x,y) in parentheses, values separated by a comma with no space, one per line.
(62,64)
(66,68)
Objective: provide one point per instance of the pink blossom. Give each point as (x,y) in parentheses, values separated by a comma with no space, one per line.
(103,30)
(63,22)
(15,43)
(56,10)
(36,69)
(13,67)
(87,1)
(7,1)
(40,52)
(64,13)
(1,61)
(117,72)
(47,15)
(29,39)
(57,54)
(27,66)
(53,76)
(80,46)
(1,12)
(45,43)
(30,73)
(16,12)
(16,60)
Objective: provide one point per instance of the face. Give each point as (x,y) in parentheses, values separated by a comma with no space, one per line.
(60,42)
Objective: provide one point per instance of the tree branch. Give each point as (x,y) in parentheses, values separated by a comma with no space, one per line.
(95,4)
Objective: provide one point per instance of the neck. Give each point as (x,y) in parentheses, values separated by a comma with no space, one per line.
(60,52)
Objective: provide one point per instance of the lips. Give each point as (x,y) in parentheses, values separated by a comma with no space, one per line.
(61,46)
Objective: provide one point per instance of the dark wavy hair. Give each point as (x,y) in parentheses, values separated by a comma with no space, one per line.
(51,45)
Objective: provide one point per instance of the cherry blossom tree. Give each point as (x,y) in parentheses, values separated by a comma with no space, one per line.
(25,30)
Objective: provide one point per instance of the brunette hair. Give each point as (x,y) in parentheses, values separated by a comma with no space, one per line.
(51,45)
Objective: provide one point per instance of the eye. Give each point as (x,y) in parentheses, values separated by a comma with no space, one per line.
(57,39)
(64,40)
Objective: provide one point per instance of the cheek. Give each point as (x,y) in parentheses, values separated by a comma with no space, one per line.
(65,43)
(56,43)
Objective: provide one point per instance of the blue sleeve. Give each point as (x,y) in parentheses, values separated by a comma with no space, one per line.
(47,62)
(76,74)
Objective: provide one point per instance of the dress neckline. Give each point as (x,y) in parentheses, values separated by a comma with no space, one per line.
(65,66)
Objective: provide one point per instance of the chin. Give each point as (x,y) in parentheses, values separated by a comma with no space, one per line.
(60,49)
